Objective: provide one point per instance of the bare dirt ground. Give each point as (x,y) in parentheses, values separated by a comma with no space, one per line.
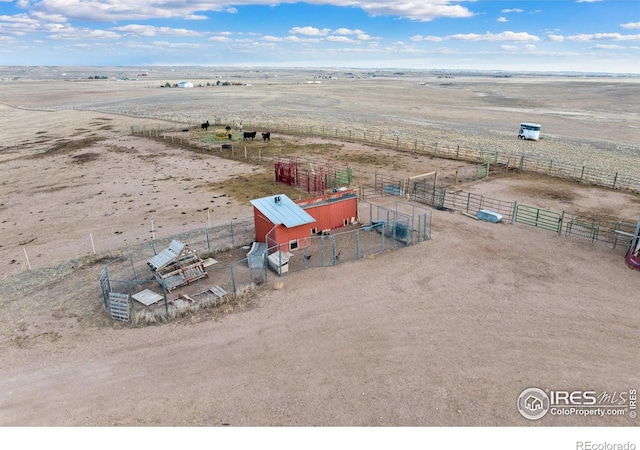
(447,332)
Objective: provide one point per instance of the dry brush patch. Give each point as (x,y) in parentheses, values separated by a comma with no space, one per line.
(186,311)
(65,146)
(248,187)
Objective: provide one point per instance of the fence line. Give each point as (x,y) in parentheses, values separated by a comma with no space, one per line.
(437,195)
(131,275)
(414,144)
(425,191)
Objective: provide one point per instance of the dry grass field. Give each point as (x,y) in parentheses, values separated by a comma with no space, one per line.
(444,333)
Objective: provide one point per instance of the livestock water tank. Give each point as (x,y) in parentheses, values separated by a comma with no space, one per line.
(489,216)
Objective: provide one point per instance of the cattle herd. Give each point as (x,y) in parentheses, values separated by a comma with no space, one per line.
(252,134)
(245,135)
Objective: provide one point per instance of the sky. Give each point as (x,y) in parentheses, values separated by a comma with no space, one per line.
(550,35)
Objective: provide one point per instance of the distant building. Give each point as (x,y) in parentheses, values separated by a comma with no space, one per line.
(185,84)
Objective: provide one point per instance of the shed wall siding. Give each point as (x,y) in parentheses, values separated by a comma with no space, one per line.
(332,215)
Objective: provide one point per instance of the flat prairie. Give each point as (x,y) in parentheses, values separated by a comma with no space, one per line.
(448,332)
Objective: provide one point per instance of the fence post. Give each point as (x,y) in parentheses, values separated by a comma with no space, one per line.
(582,174)
(468,200)
(513,215)
(233,280)
(614,180)
(232,241)
(521,163)
(334,255)
(133,268)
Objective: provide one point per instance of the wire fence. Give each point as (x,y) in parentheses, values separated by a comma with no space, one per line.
(611,230)
(437,192)
(413,144)
(233,267)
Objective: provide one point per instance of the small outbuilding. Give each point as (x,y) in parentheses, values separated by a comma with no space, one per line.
(185,84)
(279,220)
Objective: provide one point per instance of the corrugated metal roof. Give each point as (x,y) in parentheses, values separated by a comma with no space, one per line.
(166,255)
(285,211)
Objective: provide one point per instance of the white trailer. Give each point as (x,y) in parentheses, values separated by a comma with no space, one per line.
(529,131)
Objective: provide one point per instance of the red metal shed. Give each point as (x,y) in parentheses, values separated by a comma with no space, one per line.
(334,210)
(280,221)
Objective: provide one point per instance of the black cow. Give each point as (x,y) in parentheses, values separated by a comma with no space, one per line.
(249,135)
(266,136)
(228,128)
(205,125)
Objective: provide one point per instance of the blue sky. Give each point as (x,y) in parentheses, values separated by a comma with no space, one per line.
(556,35)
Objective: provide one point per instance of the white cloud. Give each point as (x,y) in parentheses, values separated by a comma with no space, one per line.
(195,17)
(512,10)
(310,31)
(347,31)
(509,48)
(419,37)
(555,38)
(608,46)
(19,18)
(500,37)
(148,30)
(631,25)
(62,32)
(604,37)
(271,38)
(360,35)
(174,45)
(118,10)
(302,40)
(587,1)
(424,11)
(506,36)
(343,39)
(501,19)
(219,39)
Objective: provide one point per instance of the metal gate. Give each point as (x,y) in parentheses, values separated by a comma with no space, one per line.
(425,192)
(119,306)
(539,218)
